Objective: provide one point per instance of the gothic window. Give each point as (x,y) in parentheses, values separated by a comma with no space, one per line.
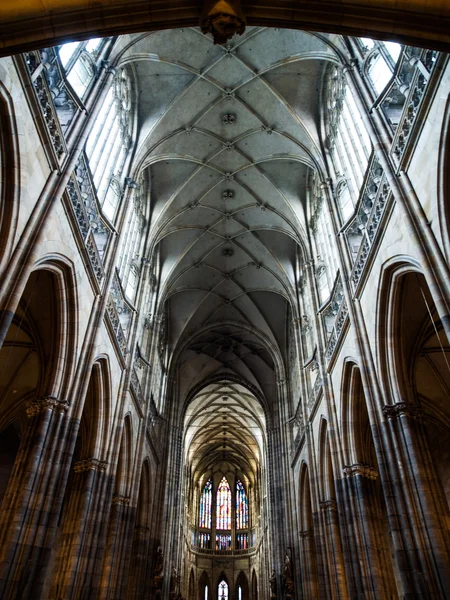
(205,506)
(223,505)
(110,138)
(239,593)
(380,62)
(223,541)
(204,540)
(241,506)
(112,199)
(206,593)
(78,60)
(348,140)
(133,277)
(242,541)
(223,590)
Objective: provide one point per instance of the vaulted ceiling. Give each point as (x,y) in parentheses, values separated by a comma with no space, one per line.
(228,140)
(225,430)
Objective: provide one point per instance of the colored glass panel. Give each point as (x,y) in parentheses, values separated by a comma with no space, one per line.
(223,541)
(205,506)
(223,508)
(241,506)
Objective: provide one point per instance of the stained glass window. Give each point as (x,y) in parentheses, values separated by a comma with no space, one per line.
(223,541)
(205,506)
(223,590)
(241,506)
(242,541)
(223,514)
(204,540)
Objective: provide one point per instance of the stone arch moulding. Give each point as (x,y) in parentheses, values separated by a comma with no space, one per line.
(31,24)
(66,331)
(386,317)
(443,183)
(10,185)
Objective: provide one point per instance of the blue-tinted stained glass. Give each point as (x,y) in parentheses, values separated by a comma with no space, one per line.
(241,506)
(223,541)
(205,506)
(242,541)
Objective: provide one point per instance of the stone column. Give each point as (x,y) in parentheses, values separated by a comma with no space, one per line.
(139,576)
(114,579)
(309,564)
(329,515)
(78,541)
(28,510)
(372,552)
(420,498)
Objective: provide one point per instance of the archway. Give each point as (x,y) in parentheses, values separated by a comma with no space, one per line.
(371,538)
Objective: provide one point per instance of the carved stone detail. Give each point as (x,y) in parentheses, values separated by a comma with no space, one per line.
(122,500)
(37,405)
(403,409)
(90,464)
(365,471)
(222,19)
(328,505)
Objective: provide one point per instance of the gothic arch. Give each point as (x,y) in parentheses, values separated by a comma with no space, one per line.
(203,583)
(9,175)
(242,582)
(443,182)
(393,373)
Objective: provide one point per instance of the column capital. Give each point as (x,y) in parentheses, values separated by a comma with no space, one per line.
(328,505)
(306,533)
(90,464)
(403,409)
(37,405)
(361,469)
(125,500)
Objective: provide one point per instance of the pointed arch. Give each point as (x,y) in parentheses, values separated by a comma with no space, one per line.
(9,175)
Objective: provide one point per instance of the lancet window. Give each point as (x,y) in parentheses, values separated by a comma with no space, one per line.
(205,506)
(79,62)
(223,590)
(110,139)
(223,505)
(241,506)
(348,140)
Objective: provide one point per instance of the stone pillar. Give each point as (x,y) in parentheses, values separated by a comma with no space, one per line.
(330,519)
(114,580)
(420,499)
(309,564)
(139,579)
(373,553)
(28,516)
(73,572)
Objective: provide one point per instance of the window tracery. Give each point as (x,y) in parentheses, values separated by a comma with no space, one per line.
(223,506)
(223,590)
(241,506)
(205,506)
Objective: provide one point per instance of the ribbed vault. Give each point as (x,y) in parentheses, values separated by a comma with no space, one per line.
(225,430)
(229,137)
